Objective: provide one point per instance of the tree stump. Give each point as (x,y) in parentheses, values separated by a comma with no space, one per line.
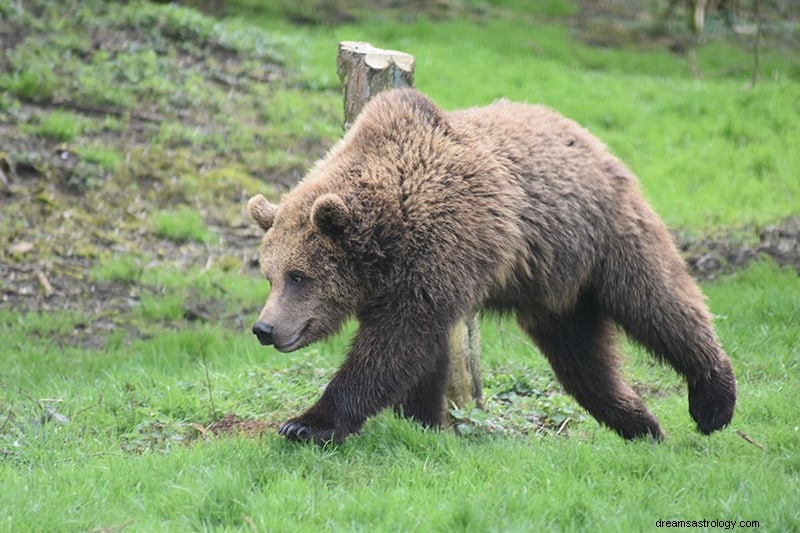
(465,383)
(365,71)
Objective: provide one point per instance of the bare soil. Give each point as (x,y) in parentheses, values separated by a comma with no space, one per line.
(710,257)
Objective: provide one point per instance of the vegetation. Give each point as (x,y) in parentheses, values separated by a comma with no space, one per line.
(182,225)
(133,397)
(618,95)
(119,436)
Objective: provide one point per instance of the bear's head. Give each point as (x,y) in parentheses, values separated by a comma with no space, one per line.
(312,289)
(354,228)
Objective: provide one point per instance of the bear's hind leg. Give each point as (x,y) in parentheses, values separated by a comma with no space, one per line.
(660,307)
(579,347)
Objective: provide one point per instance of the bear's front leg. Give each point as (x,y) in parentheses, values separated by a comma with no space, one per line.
(319,424)
(379,371)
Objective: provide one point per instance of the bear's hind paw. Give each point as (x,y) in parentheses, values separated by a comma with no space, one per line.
(712,400)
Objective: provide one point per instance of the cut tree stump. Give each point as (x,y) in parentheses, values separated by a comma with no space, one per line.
(365,71)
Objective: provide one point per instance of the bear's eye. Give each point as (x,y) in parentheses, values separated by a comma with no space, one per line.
(296,278)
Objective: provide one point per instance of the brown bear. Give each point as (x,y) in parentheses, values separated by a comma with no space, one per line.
(420,217)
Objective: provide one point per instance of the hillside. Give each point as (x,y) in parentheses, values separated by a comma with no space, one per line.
(131,135)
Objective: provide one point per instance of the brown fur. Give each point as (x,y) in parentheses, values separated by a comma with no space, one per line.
(420,217)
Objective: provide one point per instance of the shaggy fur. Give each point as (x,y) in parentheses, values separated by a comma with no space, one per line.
(418,218)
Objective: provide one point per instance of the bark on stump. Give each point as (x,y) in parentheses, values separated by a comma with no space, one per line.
(365,71)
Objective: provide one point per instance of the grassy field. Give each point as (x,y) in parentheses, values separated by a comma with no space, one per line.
(107,415)
(112,437)
(620,95)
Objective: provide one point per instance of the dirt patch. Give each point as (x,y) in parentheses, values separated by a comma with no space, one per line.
(710,257)
(232,425)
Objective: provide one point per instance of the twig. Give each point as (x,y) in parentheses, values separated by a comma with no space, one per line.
(102,110)
(219,287)
(208,386)
(562,426)
(200,428)
(45,283)
(250,522)
(757,46)
(71,459)
(111,529)
(747,438)
(5,422)
(98,402)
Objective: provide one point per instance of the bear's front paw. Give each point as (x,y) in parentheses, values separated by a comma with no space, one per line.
(300,431)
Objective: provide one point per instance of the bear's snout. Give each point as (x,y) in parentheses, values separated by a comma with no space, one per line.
(264,332)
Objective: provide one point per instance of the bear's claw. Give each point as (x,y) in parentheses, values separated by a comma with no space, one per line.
(295,431)
(299,431)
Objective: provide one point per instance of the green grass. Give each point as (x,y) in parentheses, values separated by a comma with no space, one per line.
(37,84)
(710,153)
(118,267)
(123,458)
(61,126)
(107,158)
(110,438)
(181,225)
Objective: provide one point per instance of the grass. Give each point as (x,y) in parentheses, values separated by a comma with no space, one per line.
(120,267)
(709,152)
(34,84)
(61,126)
(181,225)
(113,434)
(107,158)
(122,456)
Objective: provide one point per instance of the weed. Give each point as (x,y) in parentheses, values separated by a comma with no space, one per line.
(7,102)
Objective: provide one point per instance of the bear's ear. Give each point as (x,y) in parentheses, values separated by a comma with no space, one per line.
(261,211)
(330,215)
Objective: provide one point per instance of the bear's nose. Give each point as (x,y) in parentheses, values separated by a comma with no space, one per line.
(264,332)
